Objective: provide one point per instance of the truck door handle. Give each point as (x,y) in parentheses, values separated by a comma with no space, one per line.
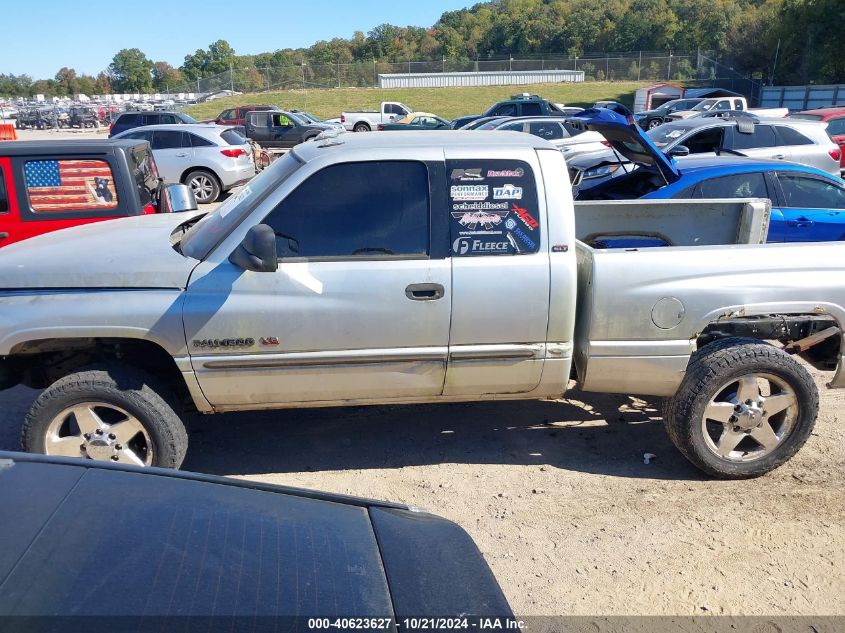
(779,156)
(3,235)
(182,155)
(801,224)
(424,292)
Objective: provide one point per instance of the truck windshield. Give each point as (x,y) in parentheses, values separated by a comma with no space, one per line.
(664,134)
(208,232)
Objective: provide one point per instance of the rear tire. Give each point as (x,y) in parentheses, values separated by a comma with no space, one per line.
(361,127)
(204,184)
(654,123)
(96,401)
(743,409)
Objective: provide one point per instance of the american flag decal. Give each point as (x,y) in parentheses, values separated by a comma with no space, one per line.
(69,185)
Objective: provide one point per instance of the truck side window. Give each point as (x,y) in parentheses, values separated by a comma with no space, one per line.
(4,200)
(493,207)
(69,184)
(367,209)
(531,109)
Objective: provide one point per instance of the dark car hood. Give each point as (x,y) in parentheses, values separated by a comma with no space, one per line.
(184,544)
(627,138)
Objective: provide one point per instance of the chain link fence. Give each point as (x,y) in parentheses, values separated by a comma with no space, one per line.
(638,66)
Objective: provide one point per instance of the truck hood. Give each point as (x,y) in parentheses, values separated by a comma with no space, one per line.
(133,252)
(627,138)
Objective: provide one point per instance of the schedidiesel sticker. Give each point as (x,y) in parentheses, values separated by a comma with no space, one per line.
(469,192)
(507,192)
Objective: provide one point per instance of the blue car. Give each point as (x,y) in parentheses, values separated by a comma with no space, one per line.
(808,205)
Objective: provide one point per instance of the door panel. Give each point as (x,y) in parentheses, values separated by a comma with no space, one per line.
(358,309)
(171,157)
(500,276)
(321,331)
(813,209)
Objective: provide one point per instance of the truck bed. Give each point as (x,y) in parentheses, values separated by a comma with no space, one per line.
(640,311)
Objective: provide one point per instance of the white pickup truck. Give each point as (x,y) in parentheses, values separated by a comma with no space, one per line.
(368,120)
(414,268)
(726,104)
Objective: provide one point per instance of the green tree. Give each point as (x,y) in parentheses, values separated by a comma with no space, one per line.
(66,81)
(166,78)
(131,71)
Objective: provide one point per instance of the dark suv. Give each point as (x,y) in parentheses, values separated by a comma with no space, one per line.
(128,120)
(518,105)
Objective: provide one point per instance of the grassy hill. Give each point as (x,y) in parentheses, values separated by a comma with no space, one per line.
(447,102)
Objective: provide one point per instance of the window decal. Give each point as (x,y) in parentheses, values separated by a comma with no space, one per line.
(69,185)
(498,213)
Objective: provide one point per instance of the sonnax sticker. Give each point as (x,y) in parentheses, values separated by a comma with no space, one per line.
(469,192)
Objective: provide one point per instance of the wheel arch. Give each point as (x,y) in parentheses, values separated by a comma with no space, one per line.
(39,361)
(814,333)
(204,168)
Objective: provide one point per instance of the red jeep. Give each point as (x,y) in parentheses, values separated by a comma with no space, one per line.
(237,116)
(51,185)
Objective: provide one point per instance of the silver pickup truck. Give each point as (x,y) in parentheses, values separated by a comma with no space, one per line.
(426,268)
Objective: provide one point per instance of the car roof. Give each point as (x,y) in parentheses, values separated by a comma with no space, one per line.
(458,138)
(825,112)
(179,127)
(703,165)
(71,146)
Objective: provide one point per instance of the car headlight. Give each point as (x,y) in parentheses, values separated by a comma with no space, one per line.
(597,172)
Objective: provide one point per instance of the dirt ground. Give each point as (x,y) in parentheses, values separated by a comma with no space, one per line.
(558,498)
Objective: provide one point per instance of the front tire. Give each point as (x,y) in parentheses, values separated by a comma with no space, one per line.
(204,184)
(107,413)
(743,409)
(654,123)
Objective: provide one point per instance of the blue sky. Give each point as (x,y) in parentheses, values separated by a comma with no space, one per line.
(86,35)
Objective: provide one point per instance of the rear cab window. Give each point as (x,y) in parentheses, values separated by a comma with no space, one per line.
(494,208)
(69,184)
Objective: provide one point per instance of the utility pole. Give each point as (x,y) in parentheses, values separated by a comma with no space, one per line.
(231,76)
(669,68)
(775,65)
(640,66)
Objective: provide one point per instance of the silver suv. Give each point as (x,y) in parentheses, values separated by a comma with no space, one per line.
(804,142)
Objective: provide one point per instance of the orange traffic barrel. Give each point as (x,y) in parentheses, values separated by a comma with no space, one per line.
(7,132)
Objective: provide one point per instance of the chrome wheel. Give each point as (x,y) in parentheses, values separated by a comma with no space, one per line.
(99,431)
(202,187)
(654,123)
(749,417)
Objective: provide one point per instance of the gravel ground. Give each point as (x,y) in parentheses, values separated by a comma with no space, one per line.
(558,498)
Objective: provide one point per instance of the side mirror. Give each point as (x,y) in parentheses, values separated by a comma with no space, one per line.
(175,198)
(679,150)
(257,251)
